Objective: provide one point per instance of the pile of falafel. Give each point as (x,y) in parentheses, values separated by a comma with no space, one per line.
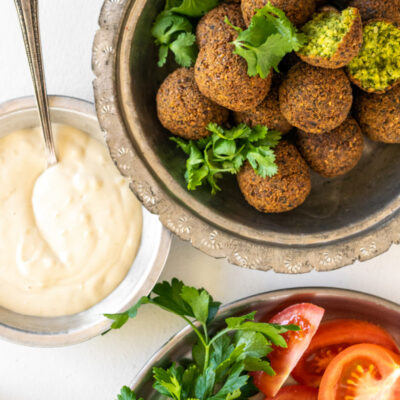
(311,101)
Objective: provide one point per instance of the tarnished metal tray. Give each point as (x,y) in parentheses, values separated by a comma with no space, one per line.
(355,217)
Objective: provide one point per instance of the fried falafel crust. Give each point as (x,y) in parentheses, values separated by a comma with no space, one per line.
(268,113)
(332,153)
(284,191)
(212,28)
(315,99)
(183,110)
(222,76)
(379,115)
(298,11)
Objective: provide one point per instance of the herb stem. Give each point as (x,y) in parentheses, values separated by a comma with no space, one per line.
(198,333)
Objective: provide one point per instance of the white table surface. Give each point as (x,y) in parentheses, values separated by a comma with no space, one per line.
(97,369)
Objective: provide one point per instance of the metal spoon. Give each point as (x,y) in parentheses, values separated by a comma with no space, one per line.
(29,20)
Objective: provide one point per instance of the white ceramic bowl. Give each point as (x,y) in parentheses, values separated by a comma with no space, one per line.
(147,266)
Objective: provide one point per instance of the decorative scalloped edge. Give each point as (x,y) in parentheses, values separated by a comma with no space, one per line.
(214,242)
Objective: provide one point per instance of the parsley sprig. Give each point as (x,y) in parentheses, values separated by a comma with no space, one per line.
(220,362)
(225,151)
(269,37)
(173,30)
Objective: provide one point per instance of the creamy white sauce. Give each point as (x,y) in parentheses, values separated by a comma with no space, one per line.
(69,233)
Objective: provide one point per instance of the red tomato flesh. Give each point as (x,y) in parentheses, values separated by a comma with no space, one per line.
(283,360)
(333,337)
(362,372)
(296,392)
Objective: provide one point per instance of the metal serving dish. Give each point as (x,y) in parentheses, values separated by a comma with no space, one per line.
(344,219)
(148,264)
(337,303)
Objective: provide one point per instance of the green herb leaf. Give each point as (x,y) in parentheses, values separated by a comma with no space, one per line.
(175,33)
(233,384)
(127,394)
(198,301)
(269,37)
(191,8)
(120,319)
(255,364)
(271,331)
(220,363)
(184,49)
(225,151)
(205,384)
(168,381)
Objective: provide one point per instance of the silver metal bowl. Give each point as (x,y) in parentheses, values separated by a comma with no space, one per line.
(337,303)
(154,248)
(355,217)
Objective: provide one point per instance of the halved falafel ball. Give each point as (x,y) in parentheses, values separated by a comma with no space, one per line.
(333,38)
(315,99)
(222,77)
(377,66)
(372,9)
(267,113)
(332,153)
(379,115)
(212,27)
(284,191)
(183,110)
(298,11)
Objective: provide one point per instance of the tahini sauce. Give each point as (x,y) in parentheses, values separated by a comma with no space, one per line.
(68,234)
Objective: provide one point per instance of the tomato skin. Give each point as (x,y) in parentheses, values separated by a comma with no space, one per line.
(362,372)
(331,338)
(283,360)
(296,392)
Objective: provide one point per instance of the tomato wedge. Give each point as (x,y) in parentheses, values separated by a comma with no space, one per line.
(362,372)
(333,337)
(307,317)
(296,392)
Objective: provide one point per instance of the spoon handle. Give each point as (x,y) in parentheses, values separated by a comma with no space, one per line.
(29,20)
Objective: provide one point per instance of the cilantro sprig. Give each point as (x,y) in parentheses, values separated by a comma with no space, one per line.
(191,8)
(173,30)
(225,151)
(220,362)
(269,37)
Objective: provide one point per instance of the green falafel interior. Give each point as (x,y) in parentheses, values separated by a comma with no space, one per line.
(269,37)
(225,151)
(377,66)
(326,31)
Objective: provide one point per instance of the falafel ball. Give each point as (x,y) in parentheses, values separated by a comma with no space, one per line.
(267,113)
(183,110)
(371,9)
(284,191)
(298,11)
(333,38)
(379,115)
(315,99)
(212,27)
(332,153)
(222,76)
(376,68)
